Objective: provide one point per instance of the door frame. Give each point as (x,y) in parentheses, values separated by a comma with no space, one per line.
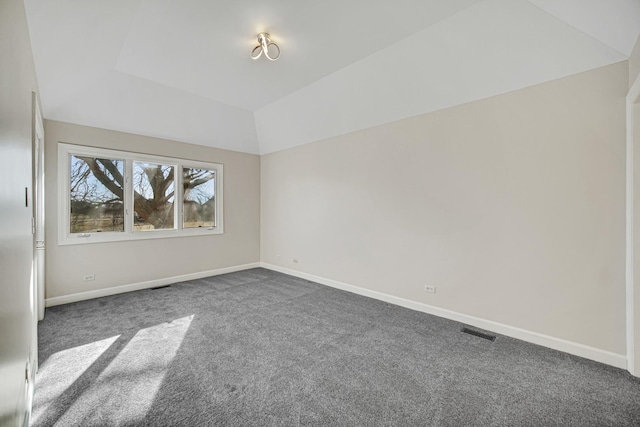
(632,260)
(38,207)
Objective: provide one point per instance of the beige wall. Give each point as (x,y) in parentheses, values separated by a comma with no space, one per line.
(123,263)
(17,81)
(634,62)
(513,206)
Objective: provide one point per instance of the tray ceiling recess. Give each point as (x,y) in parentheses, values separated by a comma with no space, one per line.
(182,70)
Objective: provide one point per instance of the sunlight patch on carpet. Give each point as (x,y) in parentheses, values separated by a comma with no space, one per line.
(62,369)
(126,388)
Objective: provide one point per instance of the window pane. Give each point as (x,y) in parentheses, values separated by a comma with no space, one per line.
(198,208)
(96,195)
(153,196)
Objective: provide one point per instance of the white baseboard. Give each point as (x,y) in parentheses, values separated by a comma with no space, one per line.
(592,353)
(81,296)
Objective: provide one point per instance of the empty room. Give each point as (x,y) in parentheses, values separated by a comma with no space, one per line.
(408,213)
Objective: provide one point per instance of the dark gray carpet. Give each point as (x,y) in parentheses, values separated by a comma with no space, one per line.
(262,348)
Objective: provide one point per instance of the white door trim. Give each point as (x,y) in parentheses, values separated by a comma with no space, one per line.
(38,193)
(633,311)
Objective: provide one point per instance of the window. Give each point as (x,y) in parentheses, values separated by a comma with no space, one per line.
(112,195)
(199,197)
(153,196)
(96,195)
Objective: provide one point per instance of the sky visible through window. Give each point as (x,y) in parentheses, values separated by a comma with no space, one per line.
(85,185)
(97,195)
(97,189)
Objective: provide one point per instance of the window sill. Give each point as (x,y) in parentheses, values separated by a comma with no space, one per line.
(110,236)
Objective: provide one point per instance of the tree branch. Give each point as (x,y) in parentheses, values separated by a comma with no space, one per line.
(102,177)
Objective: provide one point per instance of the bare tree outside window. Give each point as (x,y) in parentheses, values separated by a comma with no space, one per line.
(198,206)
(96,195)
(153,188)
(104,191)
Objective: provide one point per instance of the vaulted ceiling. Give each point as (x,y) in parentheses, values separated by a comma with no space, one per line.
(180,69)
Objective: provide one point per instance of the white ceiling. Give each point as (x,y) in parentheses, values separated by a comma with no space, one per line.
(180,69)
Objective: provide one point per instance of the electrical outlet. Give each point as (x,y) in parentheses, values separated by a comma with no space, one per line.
(88,277)
(430,289)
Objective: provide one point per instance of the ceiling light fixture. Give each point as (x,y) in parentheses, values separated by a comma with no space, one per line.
(264,43)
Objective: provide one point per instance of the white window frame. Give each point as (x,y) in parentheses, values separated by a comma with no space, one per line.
(65,237)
